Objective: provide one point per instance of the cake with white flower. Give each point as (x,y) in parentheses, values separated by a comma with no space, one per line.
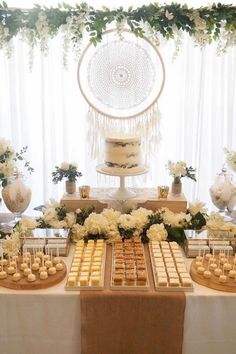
(123,154)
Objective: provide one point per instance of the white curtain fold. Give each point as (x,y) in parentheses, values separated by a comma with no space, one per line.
(45,110)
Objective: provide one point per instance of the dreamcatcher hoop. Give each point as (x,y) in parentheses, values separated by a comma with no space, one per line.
(115,65)
(122,79)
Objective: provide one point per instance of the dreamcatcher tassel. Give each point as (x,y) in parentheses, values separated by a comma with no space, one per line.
(146,125)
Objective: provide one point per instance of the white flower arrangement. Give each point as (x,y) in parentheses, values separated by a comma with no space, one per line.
(8,159)
(66,170)
(231,159)
(179,170)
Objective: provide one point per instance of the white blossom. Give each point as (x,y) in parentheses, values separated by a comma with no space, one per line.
(65,166)
(127,221)
(177,169)
(96,224)
(11,244)
(175,219)
(111,215)
(27,223)
(70,219)
(78,232)
(169,15)
(157,232)
(141,216)
(231,158)
(197,207)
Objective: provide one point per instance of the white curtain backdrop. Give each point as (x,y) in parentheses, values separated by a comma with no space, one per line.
(45,110)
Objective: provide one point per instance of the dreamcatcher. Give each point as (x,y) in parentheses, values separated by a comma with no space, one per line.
(122,79)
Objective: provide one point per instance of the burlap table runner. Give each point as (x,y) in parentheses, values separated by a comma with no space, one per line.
(131,322)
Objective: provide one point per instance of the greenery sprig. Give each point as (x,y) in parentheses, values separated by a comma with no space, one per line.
(20,157)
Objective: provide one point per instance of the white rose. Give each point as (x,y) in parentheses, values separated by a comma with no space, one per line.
(78,232)
(70,219)
(157,232)
(74,164)
(127,221)
(27,223)
(65,166)
(200,23)
(4,144)
(141,216)
(96,224)
(50,214)
(111,215)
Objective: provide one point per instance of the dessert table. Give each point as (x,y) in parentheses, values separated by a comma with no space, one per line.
(49,321)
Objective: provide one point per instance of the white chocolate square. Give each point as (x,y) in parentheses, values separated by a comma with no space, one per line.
(162,281)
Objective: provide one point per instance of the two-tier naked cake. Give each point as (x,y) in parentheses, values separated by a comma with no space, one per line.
(123,154)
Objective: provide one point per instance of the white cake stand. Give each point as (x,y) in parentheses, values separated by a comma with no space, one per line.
(122,193)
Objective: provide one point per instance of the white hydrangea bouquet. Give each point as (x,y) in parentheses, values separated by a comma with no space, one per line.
(179,170)
(66,170)
(231,159)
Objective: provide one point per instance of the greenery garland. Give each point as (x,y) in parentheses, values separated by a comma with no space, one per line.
(216,22)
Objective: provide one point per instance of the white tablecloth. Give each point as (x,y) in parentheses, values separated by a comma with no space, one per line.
(48,321)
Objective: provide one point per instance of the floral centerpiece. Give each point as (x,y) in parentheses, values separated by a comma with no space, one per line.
(113,225)
(179,170)
(231,159)
(68,171)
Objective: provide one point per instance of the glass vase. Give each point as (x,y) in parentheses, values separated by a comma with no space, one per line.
(176,188)
(70,187)
(223,192)
(16,196)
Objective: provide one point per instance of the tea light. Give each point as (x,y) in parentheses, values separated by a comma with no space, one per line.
(163,192)
(84,192)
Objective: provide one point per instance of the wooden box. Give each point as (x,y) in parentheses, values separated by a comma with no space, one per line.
(145,197)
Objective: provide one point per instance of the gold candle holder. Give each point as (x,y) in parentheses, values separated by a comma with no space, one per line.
(84,192)
(163,192)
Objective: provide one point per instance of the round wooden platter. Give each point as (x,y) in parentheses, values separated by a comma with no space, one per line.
(213,282)
(24,284)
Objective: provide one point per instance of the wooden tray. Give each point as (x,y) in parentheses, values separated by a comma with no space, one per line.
(23,284)
(168,287)
(90,287)
(213,282)
(129,287)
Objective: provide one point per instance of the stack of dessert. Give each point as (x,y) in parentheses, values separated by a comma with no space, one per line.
(87,268)
(169,268)
(220,268)
(129,266)
(30,267)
